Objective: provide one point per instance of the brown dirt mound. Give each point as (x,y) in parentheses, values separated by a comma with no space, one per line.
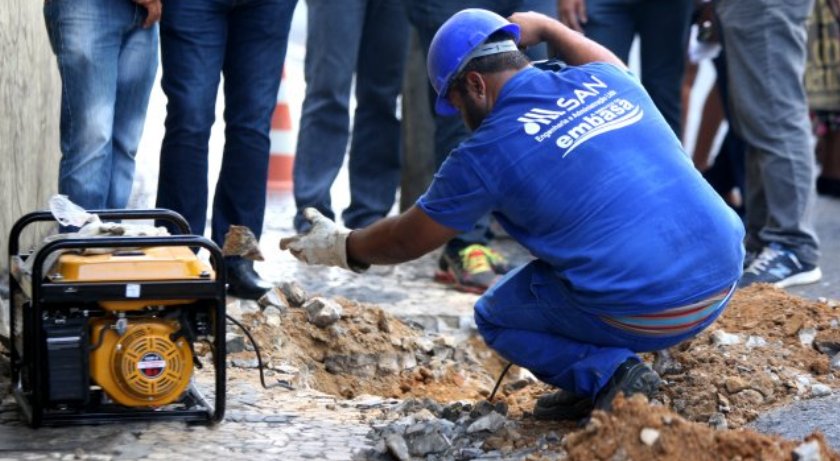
(367,351)
(745,379)
(618,436)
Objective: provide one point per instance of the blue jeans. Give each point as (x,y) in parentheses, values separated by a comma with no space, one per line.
(368,38)
(107,63)
(528,319)
(246,41)
(663,27)
(427,16)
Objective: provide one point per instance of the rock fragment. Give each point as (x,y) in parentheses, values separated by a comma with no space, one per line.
(234,343)
(274,298)
(807,335)
(490,422)
(649,436)
(808,451)
(294,293)
(397,447)
(820,390)
(240,241)
(322,312)
(722,338)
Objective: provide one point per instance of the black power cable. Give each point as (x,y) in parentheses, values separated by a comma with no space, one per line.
(256,348)
(499,381)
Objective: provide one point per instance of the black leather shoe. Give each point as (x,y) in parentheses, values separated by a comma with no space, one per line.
(243,281)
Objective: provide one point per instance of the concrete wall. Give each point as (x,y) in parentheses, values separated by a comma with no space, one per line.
(29,111)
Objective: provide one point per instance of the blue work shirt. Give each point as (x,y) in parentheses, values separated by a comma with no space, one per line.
(581,168)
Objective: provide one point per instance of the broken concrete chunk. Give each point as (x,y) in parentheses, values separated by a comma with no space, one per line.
(820,390)
(322,312)
(274,298)
(807,335)
(273,317)
(722,338)
(835,362)
(734,384)
(295,294)
(755,341)
(808,451)
(397,447)
(240,241)
(490,423)
(235,343)
(423,443)
(718,422)
(649,436)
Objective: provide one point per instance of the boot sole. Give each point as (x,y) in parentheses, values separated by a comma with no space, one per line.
(447,278)
(802,278)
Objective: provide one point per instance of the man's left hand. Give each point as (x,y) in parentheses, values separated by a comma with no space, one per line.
(153,8)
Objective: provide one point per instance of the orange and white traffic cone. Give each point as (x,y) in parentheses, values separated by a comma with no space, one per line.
(282,144)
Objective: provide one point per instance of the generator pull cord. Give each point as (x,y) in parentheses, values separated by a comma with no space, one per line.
(256,348)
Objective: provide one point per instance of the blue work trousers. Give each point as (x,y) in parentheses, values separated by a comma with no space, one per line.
(200,39)
(107,63)
(662,26)
(368,38)
(531,321)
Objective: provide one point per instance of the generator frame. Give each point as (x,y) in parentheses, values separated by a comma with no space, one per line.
(46,294)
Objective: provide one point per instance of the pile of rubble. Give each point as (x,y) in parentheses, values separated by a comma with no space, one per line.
(768,348)
(428,430)
(347,349)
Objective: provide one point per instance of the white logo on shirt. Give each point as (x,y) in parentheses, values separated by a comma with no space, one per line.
(536,116)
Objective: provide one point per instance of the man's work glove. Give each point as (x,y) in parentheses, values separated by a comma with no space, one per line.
(325,243)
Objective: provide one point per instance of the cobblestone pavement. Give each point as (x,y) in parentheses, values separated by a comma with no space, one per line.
(259,424)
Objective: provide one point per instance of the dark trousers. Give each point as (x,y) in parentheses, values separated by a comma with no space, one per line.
(245,40)
(662,26)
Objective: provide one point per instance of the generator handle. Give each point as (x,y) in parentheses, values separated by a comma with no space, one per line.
(42,216)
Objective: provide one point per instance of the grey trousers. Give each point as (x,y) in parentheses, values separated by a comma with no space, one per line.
(765,43)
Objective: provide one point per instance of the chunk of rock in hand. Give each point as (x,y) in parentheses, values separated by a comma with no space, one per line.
(240,241)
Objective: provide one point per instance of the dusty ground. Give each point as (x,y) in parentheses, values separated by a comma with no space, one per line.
(762,353)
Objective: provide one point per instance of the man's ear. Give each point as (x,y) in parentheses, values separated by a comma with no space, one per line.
(475,84)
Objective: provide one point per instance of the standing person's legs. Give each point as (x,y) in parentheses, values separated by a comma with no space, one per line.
(86,37)
(192,38)
(375,146)
(766,59)
(258,31)
(334,31)
(136,75)
(663,31)
(548,8)
(611,23)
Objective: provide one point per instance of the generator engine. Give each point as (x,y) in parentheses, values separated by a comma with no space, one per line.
(110,335)
(142,366)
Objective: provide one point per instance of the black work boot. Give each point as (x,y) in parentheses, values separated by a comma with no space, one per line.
(562,406)
(243,281)
(631,377)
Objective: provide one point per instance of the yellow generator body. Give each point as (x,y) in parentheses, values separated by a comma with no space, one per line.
(107,332)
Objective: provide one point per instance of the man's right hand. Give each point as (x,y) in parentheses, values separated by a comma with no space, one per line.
(572,13)
(153,11)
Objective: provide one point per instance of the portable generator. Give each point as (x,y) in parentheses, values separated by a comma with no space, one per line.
(110,336)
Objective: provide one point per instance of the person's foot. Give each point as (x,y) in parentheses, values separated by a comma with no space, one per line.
(780,267)
(470,269)
(631,377)
(562,406)
(243,281)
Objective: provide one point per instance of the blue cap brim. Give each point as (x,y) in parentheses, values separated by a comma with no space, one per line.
(444,108)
